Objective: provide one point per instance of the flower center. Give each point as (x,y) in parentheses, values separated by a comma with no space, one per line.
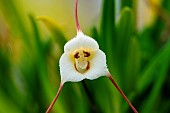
(81,57)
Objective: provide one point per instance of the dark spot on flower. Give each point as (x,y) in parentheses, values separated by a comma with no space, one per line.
(76,55)
(86,54)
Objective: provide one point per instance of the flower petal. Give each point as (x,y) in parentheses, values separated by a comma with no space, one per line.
(81,40)
(97,68)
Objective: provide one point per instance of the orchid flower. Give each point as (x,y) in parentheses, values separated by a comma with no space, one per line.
(82,59)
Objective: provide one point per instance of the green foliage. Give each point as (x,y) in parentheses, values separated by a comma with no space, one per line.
(139,62)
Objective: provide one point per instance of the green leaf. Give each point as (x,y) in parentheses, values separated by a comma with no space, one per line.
(165,105)
(151,101)
(125,30)
(16,20)
(148,73)
(127,3)
(107,31)
(7,106)
(54,28)
(37,39)
(107,42)
(124,34)
(132,65)
(95,34)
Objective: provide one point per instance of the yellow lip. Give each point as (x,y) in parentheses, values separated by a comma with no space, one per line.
(81,58)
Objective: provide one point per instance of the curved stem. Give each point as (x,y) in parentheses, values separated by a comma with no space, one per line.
(121,92)
(54,100)
(76,16)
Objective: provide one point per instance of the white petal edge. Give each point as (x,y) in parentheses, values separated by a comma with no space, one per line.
(81,40)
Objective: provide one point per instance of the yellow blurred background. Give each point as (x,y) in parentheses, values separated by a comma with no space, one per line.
(62,11)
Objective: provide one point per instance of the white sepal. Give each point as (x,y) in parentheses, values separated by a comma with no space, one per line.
(97,63)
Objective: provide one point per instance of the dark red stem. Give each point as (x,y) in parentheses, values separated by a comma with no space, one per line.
(76,16)
(121,92)
(54,100)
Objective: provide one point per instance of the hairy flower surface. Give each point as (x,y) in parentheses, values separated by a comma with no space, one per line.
(82,59)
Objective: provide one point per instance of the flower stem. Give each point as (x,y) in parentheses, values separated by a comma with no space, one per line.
(54,100)
(76,16)
(121,92)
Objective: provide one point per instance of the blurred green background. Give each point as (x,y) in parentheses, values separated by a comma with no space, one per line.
(134,34)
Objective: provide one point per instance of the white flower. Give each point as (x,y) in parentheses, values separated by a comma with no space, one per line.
(82,59)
